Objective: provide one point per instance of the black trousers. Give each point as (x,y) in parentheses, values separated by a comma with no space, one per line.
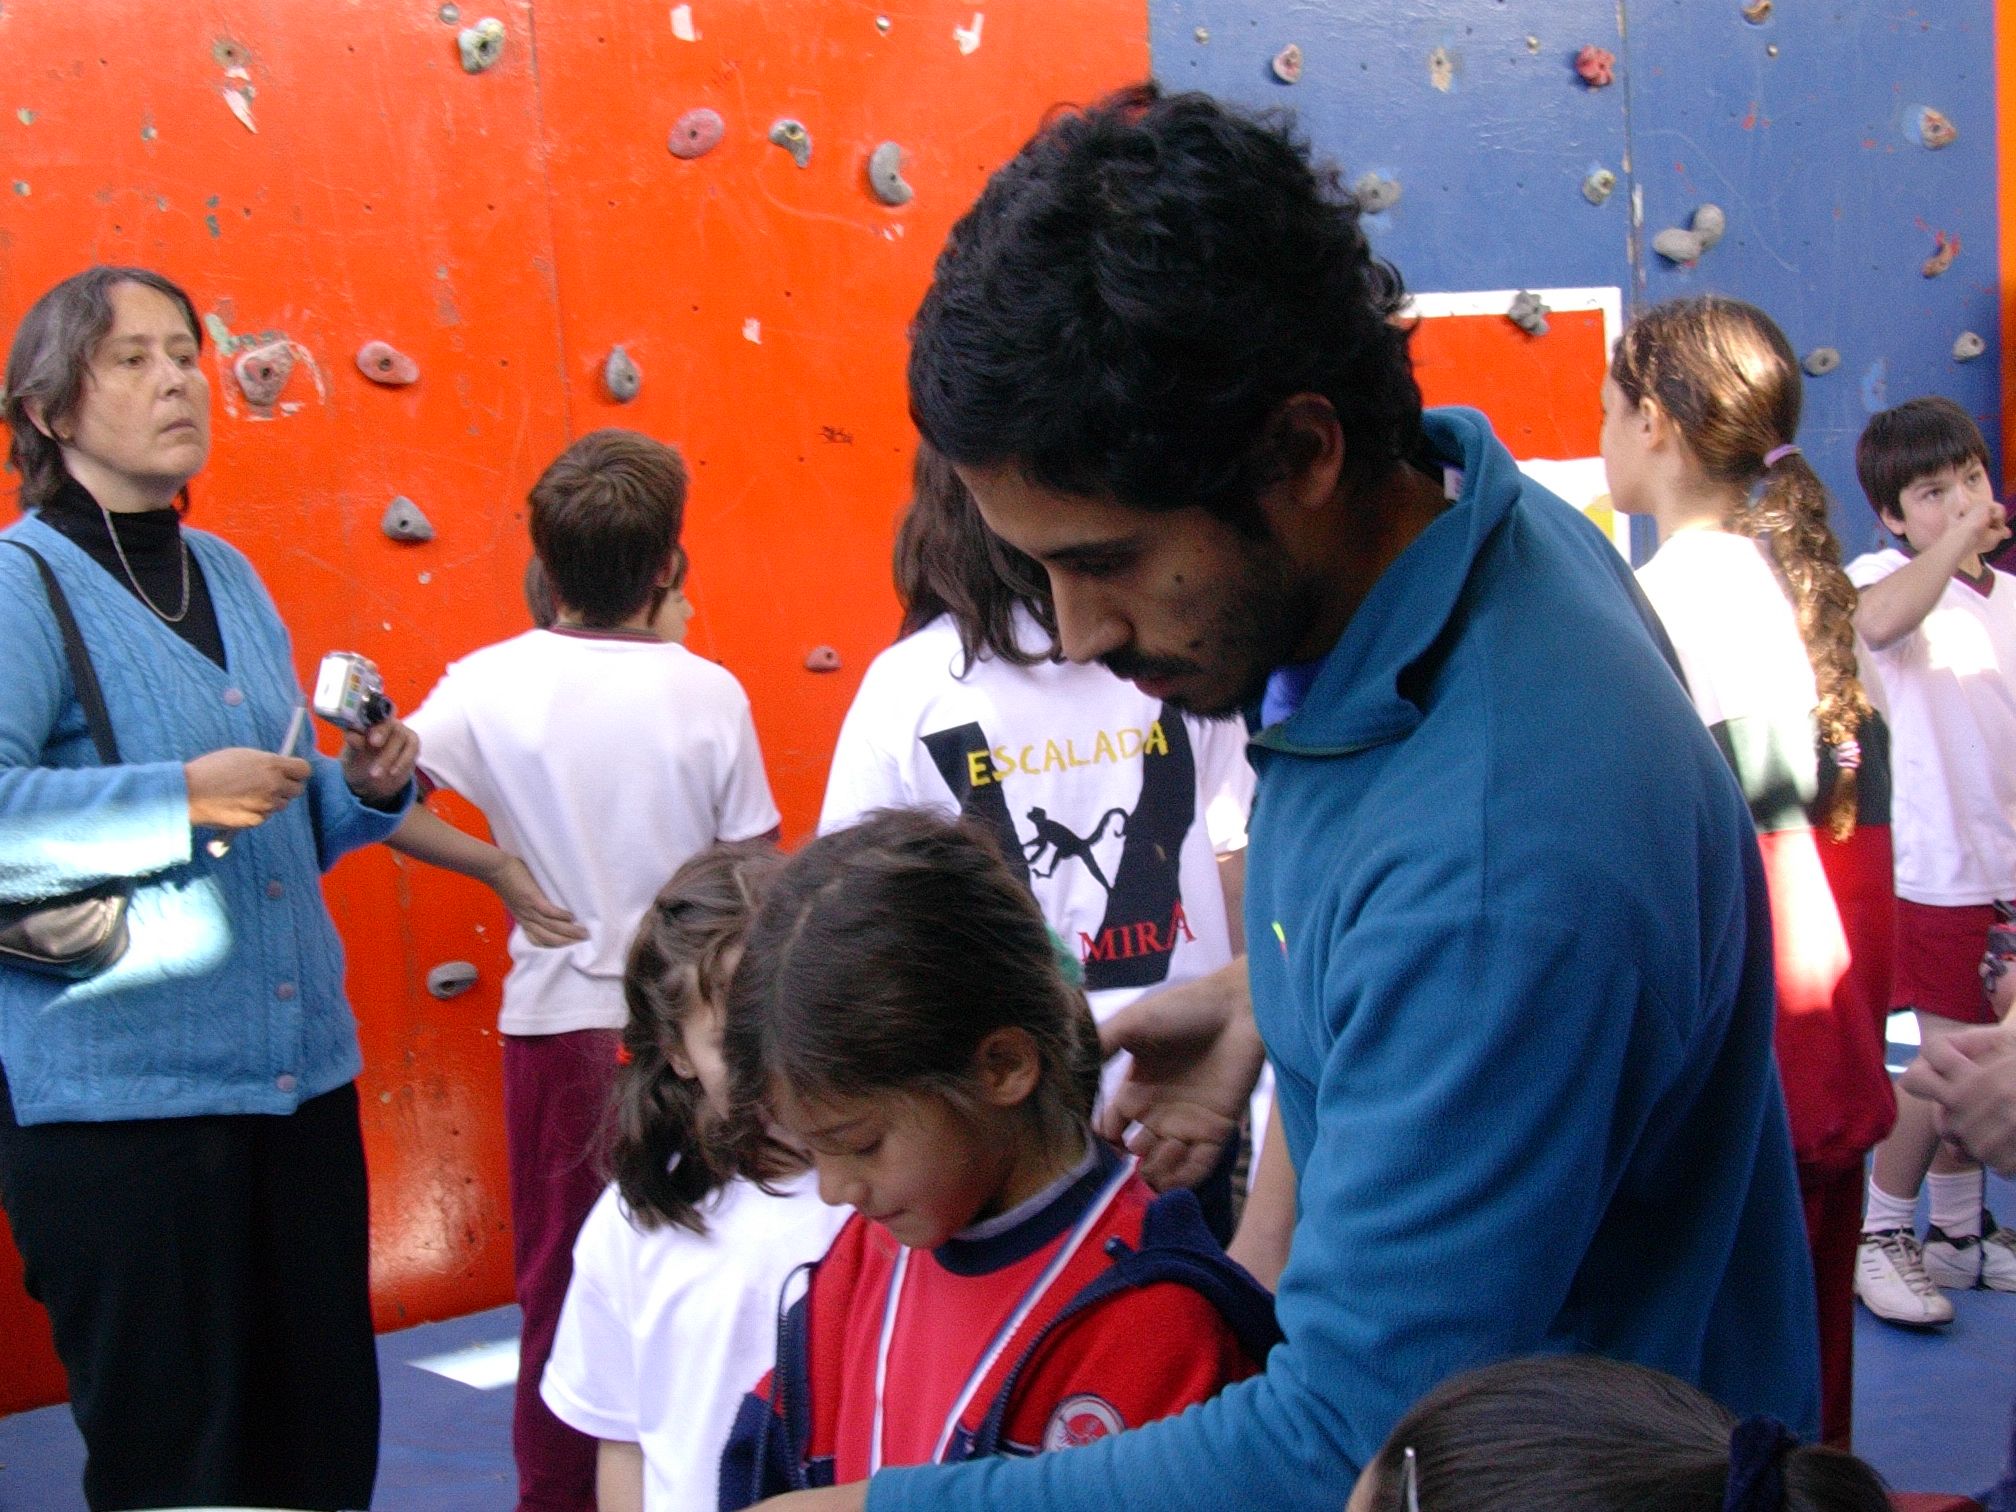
(208,1282)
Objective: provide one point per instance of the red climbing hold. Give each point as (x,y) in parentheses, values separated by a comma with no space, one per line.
(1595,65)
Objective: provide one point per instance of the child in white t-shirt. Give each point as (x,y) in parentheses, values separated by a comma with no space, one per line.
(602,754)
(1939,628)
(672,1313)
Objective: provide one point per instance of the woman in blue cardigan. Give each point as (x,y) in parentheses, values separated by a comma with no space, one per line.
(180,1159)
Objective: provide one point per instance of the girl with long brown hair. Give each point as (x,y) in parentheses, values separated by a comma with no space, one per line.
(1700,415)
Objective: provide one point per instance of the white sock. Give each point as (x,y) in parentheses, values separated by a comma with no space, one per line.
(1882,1211)
(1956,1203)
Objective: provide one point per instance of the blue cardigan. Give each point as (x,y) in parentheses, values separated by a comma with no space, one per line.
(1512,962)
(230,997)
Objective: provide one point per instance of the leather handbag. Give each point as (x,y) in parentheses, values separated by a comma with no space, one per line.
(78,934)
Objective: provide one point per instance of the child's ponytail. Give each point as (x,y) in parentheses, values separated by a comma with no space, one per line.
(667,1154)
(1728,379)
(1789,513)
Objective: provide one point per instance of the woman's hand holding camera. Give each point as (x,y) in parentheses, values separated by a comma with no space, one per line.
(240,788)
(379,762)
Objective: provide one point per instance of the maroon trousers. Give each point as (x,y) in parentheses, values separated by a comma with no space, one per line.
(1833,1199)
(556,1087)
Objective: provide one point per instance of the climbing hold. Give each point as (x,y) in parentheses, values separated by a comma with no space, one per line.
(1202,34)
(1821,361)
(1757,12)
(481,45)
(1676,245)
(1374,193)
(1705,229)
(403,521)
(882,25)
(696,133)
(1944,249)
(1771,49)
(682,24)
(1532,43)
(1934,130)
(793,138)
(451,979)
(822,659)
(383,363)
(1968,347)
(262,371)
(1599,186)
(1528,313)
(449,14)
(620,376)
(1287,64)
(885,175)
(1596,65)
(240,103)
(1441,69)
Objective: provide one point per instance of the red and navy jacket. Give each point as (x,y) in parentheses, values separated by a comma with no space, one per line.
(1105,1309)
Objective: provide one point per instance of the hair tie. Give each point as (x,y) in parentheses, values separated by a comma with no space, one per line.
(1757,1450)
(1848,755)
(1778,454)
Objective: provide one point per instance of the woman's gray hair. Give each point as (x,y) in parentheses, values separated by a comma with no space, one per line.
(50,359)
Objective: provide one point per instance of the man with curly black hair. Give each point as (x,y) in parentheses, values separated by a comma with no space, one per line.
(1511,956)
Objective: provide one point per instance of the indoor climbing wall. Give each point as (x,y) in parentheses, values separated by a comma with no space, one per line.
(1847,152)
(431,245)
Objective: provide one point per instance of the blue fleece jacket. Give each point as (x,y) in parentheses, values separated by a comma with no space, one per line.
(230,997)
(1512,962)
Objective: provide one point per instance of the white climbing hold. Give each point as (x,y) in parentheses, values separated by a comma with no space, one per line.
(752,330)
(481,45)
(1529,313)
(1968,347)
(968,37)
(621,376)
(262,371)
(793,138)
(403,521)
(1441,69)
(885,175)
(1375,193)
(451,979)
(1287,64)
(1821,361)
(682,24)
(1599,185)
(1706,229)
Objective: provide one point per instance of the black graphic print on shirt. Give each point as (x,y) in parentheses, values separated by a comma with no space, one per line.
(1144,918)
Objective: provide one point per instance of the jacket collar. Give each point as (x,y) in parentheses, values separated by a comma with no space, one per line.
(1356,700)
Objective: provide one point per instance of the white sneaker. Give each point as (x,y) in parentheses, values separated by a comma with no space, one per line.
(1954,1263)
(1891,1281)
(1998,1255)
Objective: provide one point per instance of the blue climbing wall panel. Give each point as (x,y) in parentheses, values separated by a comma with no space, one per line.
(1802,126)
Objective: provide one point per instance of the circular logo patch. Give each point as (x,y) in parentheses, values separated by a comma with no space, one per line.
(1080,1420)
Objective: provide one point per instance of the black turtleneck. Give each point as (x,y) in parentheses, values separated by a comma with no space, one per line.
(152,542)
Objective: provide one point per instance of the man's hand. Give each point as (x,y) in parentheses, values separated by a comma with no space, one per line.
(379,763)
(545,922)
(1971,1075)
(240,788)
(1196,1059)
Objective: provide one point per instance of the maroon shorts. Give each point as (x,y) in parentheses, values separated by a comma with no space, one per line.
(1941,956)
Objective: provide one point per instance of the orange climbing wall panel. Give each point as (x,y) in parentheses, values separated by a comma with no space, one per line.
(505,230)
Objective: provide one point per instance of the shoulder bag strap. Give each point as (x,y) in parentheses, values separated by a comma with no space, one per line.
(81,673)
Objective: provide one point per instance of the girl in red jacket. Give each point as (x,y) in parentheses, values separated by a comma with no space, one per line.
(1007,1284)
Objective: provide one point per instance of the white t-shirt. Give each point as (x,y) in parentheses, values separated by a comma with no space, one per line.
(664,1330)
(1732,625)
(1116,806)
(604,763)
(1949,691)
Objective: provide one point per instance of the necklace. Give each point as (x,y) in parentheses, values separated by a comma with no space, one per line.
(120,551)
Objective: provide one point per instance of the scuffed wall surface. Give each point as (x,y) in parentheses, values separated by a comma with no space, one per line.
(322,177)
(1804,127)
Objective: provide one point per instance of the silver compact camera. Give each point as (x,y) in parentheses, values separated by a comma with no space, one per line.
(349,693)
